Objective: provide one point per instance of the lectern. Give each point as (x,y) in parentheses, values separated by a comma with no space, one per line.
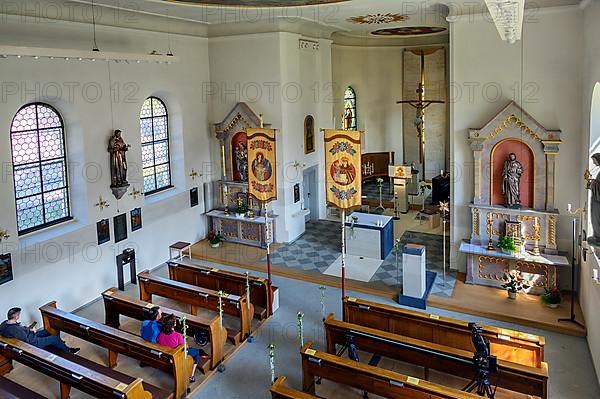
(401,175)
(124,258)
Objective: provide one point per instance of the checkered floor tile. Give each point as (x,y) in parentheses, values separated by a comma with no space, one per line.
(320,246)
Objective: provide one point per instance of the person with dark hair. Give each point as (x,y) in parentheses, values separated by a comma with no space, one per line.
(172,339)
(11,328)
(151,327)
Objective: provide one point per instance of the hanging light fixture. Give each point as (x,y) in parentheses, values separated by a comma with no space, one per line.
(508,18)
(169,52)
(95,48)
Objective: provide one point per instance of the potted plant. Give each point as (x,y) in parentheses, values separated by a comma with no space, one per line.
(507,245)
(215,239)
(551,297)
(240,209)
(513,283)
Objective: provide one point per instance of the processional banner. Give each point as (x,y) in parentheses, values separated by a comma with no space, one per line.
(342,168)
(262,182)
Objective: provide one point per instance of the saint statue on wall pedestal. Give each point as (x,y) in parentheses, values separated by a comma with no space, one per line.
(511,180)
(118,164)
(594,186)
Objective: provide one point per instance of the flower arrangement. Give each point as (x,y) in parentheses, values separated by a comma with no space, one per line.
(379,181)
(552,297)
(507,244)
(513,283)
(240,207)
(215,239)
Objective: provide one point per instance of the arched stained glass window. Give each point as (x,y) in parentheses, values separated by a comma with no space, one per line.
(39,168)
(350,109)
(154,130)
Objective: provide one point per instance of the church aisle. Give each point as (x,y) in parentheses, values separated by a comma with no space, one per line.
(248,375)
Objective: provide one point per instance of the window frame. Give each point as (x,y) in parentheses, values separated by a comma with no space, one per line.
(39,164)
(153,143)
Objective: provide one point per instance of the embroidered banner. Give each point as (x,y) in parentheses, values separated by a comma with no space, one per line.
(343,168)
(262,182)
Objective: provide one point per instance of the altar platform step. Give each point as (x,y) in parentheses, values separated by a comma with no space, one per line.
(526,310)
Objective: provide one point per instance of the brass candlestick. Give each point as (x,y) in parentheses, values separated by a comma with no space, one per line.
(490,229)
(536,237)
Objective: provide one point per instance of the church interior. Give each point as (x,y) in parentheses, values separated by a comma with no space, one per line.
(299,199)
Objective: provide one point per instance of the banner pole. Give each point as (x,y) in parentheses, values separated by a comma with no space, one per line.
(343,254)
(268,239)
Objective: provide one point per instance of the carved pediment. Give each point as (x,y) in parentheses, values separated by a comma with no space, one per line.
(513,121)
(240,117)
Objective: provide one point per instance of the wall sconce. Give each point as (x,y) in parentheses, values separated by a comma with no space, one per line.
(194,174)
(102,203)
(298,165)
(4,234)
(135,193)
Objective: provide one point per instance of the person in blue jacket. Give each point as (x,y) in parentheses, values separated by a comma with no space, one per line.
(152,326)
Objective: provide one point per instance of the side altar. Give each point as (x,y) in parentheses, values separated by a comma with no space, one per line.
(238,217)
(514,176)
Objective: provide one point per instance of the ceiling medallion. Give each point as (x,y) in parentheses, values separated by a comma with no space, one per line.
(378,18)
(257,3)
(409,31)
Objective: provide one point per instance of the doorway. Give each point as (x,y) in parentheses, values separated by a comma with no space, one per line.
(310,192)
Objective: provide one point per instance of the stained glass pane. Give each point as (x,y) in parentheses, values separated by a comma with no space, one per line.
(27,180)
(39,167)
(154,131)
(25,147)
(158,108)
(146,111)
(350,109)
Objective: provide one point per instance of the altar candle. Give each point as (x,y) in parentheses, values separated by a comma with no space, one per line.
(569,207)
(595,273)
(442,172)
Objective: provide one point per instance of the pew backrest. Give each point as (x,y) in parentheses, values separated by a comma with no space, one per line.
(505,344)
(279,390)
(72,374)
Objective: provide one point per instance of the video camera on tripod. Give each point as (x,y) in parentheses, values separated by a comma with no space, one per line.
(483,362)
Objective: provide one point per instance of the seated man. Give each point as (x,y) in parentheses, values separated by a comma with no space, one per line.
(11,328)
(171,338)
(151,327)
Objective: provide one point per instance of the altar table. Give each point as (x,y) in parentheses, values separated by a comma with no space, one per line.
(242,230)
(372,235)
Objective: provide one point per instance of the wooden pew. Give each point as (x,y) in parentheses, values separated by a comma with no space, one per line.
(509,345)
(186,271)
(116,304)
(12,390)
(197,297)
(281,391)
(449,360)
(371,379)
(171,360)
(70,374)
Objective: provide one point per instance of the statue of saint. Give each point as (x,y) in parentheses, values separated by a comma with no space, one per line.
(594,186)
(241,157)
(118,160)
(511,179)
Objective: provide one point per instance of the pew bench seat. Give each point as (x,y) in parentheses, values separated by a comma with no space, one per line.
(157,393)
(12,390)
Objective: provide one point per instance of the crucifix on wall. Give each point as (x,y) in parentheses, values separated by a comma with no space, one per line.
(420,104)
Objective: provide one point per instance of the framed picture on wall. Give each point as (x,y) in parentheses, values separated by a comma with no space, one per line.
(120,227)
(6,274)
(296,192)
(194,197)
(309,134)
(103,231)
(136,219)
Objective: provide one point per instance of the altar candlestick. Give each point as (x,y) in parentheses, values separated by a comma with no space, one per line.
(260,118)
(536,236)
(490,228)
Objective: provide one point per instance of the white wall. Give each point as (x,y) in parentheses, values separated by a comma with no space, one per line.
(62,263)
(375,73)
(275,77)
(485,74)
(590,292)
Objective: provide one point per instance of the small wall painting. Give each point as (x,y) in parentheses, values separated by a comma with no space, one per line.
(103,231)
(136,219)
(120,227)
(6,274)
(309,134)
(194,197)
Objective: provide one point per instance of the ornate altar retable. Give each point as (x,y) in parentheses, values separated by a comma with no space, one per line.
(513,131)
(249,228)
